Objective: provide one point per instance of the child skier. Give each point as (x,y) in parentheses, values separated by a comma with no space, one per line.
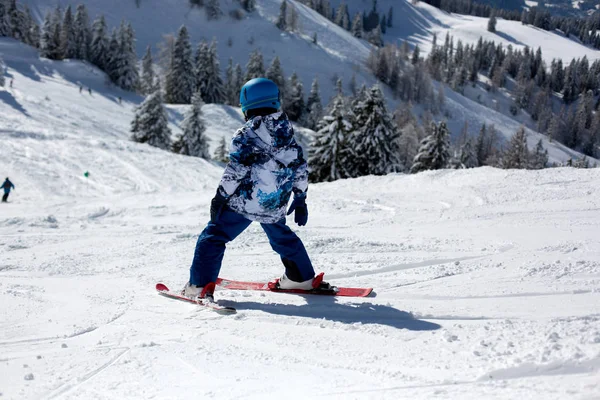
(266,165)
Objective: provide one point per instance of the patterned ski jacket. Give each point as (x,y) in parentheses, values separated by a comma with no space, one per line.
(266,165)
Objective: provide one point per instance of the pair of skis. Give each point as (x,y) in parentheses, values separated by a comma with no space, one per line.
(211,304)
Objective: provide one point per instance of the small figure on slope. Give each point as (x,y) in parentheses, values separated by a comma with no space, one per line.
(7,186)
(266,166)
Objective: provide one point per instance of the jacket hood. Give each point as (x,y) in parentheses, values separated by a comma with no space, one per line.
(274,129)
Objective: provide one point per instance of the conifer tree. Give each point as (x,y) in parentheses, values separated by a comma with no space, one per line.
(326,155)
(181,74)
(357,26)
(390,17)
(150,124)
(2,72)
(314,106)
(83,34)
(434,152)
(67,35)
(113,56)
(148,78)
(275,73)
(517,155)
(342,17)
(468,158)
(282,19)
(99,47)
(255,67)
(213,10)
(491,27)
(125,68)
(229,82)
(193,141)
(5,29)
(294,101)
(50,41)
(539,157)
(221,152)
(374,145)
(33,29)
(17,22)
(239,82)
(208,76)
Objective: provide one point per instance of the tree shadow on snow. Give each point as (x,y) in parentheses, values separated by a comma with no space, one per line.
(327,307)
(509,38)
(9,99)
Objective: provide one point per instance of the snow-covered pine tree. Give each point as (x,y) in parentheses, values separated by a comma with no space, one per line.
(113,56)
(229,82)
(193,142)
(150,124)
(2,72)
(467,156)
(50,41)
(239,82)
(294,101)
(181,74)
(17,21)
(282,19)
(33,30)
(222,152)
(248,5)
(100,44)
(275,73)
(212,88)
(314,107)
(127,75)
(374,145)
(255,67)
(342,17)
(213,10)
(390,17)
(326,154)
(67,35)
(4,20)
(491,27)
(83,33)
(408,144)
(517,155)
(148,78)
(201,62)
(357,26)
(434,152)
(539,157)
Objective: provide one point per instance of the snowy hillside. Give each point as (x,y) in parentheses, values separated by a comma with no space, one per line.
(338,53)
(486,287)
(486,280)
(417,24)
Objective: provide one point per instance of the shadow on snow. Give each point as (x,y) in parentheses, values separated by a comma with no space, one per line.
(330,309)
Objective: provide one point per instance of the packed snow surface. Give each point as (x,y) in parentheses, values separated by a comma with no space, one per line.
(486,281)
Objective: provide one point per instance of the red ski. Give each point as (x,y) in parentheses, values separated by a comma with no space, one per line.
(271,287)
(209,303)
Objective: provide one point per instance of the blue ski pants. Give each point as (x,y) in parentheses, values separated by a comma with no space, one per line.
(210,248)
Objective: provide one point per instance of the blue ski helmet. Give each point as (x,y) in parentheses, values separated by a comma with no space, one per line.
(259,93)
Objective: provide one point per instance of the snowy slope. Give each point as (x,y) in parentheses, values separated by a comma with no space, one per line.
(486,287)
(417,24)
(338,52)
(486,280)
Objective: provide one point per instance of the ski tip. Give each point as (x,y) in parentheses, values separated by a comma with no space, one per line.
(161,287)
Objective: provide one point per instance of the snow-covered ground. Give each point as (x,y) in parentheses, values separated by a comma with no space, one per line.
(486,281)
(486,286)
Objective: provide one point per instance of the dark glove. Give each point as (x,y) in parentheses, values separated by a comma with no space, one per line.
(301,215)
(217,205)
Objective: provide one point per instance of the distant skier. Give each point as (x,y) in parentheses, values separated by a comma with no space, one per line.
(266,166)
(7,186)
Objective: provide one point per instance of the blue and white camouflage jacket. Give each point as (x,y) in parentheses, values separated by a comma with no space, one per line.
(266,165)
